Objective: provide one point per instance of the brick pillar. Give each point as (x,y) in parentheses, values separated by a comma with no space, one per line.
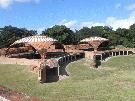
(42,73)
(43,53)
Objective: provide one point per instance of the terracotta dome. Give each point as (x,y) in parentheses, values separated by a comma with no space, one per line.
(94,41)
(35,39)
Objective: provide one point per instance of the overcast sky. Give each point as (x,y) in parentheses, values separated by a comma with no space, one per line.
(41,14)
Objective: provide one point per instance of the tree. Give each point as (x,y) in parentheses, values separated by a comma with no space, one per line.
(97,31)
(121,36)
(126,36)
(83,33)
(101,31)
(9,34)
(61,33)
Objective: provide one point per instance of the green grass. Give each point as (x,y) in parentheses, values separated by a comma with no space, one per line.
(114,80)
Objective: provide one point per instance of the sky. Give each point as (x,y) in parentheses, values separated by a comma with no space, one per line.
(75,14)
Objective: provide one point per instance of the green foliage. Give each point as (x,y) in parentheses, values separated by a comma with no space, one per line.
(61,33)
(83,33)
(9,34)
(122,36)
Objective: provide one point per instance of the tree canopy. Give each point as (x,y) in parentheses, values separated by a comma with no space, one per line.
(61,33)
(120,36)
(9,34)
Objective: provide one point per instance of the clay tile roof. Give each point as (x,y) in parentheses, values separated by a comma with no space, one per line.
(34,39)
(40,45)
(38,42)
(94,39)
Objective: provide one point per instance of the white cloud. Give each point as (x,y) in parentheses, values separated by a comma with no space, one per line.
(69,24)
(120,23)
(39,30)
(7,3)
(118,5)
(113,22)
(90,24)
(131,6)
(110,21)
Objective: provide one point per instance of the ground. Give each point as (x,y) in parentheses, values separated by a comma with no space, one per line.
(114,80)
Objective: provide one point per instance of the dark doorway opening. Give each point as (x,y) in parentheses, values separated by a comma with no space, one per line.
(52,74)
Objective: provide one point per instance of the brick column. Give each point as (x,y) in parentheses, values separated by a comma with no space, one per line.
(42,72)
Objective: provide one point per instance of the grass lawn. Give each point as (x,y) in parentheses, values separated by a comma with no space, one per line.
(114,80)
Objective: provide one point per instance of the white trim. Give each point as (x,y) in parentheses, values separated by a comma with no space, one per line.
(94,39)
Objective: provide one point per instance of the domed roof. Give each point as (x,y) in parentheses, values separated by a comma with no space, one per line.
(94,39)
(35,39)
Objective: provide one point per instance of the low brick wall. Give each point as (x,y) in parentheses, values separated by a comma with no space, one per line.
(33,64)
(20,61)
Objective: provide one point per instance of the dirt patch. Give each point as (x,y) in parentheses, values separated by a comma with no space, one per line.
(20,61)
(15,96)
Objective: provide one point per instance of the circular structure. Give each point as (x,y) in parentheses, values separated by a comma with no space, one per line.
(38,42)
(41,44)
(95,41)
(35,39)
